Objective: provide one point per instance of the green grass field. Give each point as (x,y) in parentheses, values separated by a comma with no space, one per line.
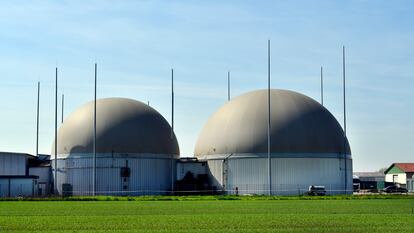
(204,215)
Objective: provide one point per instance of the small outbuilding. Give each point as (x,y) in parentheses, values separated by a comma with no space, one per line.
(400,174)
(370,181)
(15,180)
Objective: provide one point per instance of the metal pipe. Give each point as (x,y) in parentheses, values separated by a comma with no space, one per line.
(56,97)
(172,103)
(269,160)
(343,80)
(172,126)
(37,119)
(94,136)
(224,177)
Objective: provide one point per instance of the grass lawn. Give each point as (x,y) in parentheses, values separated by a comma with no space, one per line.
(245,215)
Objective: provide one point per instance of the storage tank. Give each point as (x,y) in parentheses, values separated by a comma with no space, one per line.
(308,146)
(136,150)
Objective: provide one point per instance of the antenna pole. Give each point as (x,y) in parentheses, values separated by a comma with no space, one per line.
(343,80)
(94,136)
(37,119)
(63,105)
(322,85)
(269,160)
(56,116)
(228,86)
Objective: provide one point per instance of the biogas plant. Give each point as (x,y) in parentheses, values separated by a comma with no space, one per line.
(136,151)
(270,141)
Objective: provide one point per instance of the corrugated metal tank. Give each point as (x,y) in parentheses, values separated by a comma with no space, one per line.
(290,176)
(136,150)
(307,146)
(149,174)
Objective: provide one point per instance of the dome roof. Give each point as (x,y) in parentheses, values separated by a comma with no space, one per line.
(299,124)
(123,126)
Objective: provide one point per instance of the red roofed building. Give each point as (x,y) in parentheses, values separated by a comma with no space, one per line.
(400,173)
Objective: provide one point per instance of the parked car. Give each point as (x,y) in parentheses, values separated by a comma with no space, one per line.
(315,190)
(395,189)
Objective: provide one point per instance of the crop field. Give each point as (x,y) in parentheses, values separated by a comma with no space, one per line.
(209,215)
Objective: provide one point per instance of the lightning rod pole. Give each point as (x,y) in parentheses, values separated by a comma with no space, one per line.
(269,159)
(94,136)
(343,80)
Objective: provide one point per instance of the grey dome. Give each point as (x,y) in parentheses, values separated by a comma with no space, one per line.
(123,126)
(299,124)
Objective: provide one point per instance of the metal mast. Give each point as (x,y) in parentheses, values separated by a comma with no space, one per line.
(94,136)
(343,80)
(56,116)
(172,103)
(322,85)
(37,119)
(268,122)
(172,125)
(228,85)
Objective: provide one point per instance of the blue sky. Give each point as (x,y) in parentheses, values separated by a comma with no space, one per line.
(137,42)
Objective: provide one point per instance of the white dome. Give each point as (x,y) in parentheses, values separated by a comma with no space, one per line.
(123,126)
(299,124)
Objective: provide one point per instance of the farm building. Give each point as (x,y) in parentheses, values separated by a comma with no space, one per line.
(136,150)
(370,181)
(307,146)
(401,174)
(23,174)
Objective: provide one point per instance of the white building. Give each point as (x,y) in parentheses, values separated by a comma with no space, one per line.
(400,173)
(307,146)
(15,179)
(136,150)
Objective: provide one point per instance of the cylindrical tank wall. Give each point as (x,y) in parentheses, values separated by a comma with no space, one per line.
(148,176)
(290,176)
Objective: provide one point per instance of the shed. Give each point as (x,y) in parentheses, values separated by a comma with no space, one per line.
(399,173)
